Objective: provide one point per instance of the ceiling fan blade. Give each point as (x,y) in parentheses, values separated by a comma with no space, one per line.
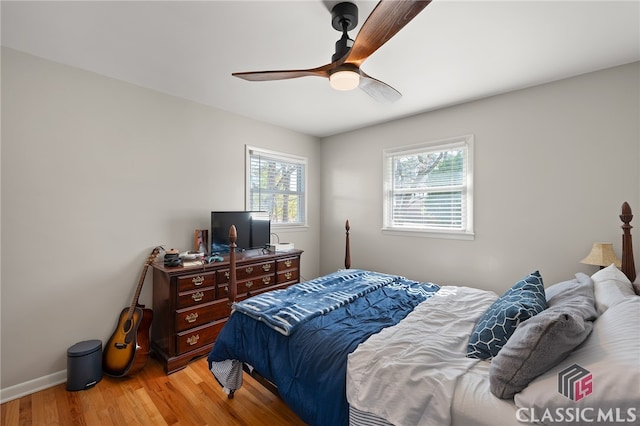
(387,18)
(322,71)
(377,89)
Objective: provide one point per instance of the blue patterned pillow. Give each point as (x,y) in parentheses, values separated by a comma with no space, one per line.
(522,301)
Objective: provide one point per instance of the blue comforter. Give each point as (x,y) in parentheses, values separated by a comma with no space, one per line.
(309,366)
(285,310)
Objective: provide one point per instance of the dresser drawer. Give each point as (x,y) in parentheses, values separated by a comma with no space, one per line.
(196,281)
(222,276)
(255,270)
(198,337)
(288,263)
(222,291)
(253,284)
(289,276)
(202,314)
(248,271)
(195,297)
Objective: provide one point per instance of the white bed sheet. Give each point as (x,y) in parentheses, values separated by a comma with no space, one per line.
(407,374)
(474,405)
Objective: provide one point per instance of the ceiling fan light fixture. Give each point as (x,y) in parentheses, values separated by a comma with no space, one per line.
(344,80)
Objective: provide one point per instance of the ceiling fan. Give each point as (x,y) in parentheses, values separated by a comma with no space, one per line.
(344,72)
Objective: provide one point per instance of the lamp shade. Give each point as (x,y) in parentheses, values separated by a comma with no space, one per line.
(601,255)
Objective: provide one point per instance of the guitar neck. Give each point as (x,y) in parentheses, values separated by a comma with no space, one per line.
(136,295)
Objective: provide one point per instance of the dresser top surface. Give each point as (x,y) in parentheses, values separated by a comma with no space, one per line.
(247,256)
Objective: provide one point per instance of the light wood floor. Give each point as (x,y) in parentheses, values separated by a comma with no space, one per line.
(188,397)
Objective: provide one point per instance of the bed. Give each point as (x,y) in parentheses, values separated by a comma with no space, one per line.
(365,348)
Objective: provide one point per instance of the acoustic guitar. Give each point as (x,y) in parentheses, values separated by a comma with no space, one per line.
(127,350)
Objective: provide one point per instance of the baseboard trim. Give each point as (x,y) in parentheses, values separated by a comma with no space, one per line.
(35,385)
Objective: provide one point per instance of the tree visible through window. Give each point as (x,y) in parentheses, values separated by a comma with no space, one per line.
(428,187)
(276,184)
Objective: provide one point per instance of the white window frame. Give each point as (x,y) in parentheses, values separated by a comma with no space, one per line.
(284,157)
(466,232)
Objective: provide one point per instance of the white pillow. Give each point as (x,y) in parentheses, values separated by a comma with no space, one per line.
(610,286)
(610,355)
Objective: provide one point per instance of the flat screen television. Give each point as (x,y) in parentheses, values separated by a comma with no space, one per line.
(253,227)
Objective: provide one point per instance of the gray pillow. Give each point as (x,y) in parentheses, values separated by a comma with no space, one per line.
(537,345)
(576,295)
(544,340)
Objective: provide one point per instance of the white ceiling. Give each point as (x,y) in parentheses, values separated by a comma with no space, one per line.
(454,51)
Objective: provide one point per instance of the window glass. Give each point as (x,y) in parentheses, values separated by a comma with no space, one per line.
(276,184)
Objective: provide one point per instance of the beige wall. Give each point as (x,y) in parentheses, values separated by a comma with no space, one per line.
(95,173)
(552,166)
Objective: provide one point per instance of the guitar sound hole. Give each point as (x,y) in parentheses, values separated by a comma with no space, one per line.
(127,326)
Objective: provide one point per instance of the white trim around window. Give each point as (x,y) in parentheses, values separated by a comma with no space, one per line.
(277,182)
(428,189)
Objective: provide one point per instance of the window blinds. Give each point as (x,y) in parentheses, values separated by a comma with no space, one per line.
(277,185)
(427,187)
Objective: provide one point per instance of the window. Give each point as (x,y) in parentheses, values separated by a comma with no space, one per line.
(276,183)
(428,188)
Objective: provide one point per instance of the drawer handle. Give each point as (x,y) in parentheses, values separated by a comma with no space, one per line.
(266,280)
(226,274)
(193,339)
(226,289)
(197,280)
(249,269)
(197,296)
(288,263)
(266,267)
(192,317)
(249,284)
(288,275)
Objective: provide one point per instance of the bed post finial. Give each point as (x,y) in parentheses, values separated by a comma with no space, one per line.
(347,251)
(628,265)
(233,237)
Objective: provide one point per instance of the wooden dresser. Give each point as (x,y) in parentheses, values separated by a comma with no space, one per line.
(190,303)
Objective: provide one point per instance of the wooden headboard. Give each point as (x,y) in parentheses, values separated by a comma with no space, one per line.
(628,265)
